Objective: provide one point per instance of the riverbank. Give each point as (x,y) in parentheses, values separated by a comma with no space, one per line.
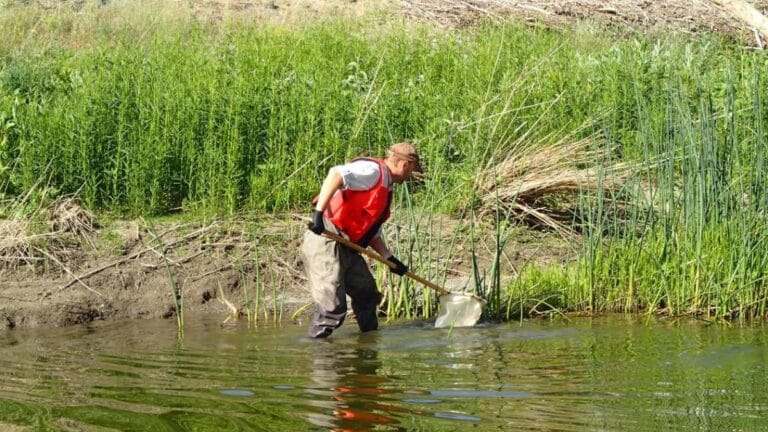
(243,269)
(640,153)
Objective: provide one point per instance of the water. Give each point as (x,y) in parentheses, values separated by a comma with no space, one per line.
(581,375)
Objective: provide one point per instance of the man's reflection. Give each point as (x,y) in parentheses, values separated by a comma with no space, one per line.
(348,387)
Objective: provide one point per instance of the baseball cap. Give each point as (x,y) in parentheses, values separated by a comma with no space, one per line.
(407,151)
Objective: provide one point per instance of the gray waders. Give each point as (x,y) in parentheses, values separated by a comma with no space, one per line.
(335,272)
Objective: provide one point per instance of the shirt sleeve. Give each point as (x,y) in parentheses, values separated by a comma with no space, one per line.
(359,175)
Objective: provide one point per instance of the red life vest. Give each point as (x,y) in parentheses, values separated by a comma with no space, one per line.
(360,214)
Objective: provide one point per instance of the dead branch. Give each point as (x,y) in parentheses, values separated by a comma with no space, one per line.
(218,270)
(66,269)
(175,262)
(184,239)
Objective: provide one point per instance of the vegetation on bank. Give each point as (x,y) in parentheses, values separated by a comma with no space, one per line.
(236,117)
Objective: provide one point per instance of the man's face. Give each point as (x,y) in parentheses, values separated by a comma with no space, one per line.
(404,170)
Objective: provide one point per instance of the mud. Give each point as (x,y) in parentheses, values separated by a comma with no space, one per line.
(127,270)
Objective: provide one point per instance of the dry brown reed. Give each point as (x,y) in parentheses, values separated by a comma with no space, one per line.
(26,241)
(542,183)
(16,249)
(66,216)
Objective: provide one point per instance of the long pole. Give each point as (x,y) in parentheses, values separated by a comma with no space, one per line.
(377,257)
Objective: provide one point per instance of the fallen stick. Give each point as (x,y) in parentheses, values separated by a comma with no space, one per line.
(136,255)
(176,262)
(53,258)
(204,275)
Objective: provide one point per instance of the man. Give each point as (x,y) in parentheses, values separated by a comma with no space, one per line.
(354,201)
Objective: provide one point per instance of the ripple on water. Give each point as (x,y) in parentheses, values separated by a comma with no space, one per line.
(237,392)
(457,416)
(480,394)
(525,377)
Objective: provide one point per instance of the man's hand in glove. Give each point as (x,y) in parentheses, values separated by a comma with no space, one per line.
(317,225)
(399,268)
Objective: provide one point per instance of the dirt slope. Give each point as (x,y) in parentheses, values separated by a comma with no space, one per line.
(689,16)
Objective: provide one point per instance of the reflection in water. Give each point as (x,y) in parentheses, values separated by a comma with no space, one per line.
(348,388)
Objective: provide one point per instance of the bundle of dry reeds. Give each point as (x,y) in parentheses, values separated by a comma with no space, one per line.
(15,246)
(67,216)
(24,243)
(542,182)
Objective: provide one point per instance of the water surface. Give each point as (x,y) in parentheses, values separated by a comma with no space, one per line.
(602,374)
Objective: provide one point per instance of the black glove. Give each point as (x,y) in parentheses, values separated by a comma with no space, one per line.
(399,268)
(317,225)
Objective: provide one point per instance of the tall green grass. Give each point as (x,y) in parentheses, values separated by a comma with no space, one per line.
(223,117)
(188,115)
(698,244)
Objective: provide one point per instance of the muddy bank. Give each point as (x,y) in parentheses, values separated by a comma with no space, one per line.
(127,270)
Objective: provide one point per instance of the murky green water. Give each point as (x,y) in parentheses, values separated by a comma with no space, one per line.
(583,375)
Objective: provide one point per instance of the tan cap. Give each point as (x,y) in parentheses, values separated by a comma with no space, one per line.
(406,151)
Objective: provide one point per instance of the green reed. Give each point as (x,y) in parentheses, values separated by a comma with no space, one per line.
(177,290)
(244,282)
(694,241)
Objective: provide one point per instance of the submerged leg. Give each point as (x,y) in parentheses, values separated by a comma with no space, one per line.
(325,322)
(361,287)
(323,268)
